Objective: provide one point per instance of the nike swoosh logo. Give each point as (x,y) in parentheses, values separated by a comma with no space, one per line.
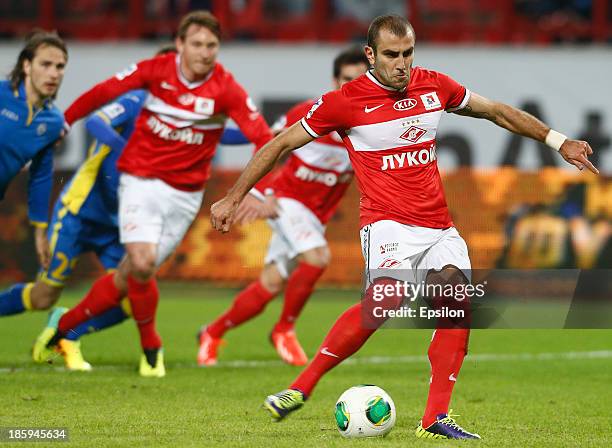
(452,377)
(328,353)
(167,86)
(367,109)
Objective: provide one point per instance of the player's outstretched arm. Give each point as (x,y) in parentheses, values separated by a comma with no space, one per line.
(222,212)
(515,120)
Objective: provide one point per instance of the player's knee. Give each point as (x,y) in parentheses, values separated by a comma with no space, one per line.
(448,290)
(385,292)
(320,257)
(143,268)
(449,275)
(142,261)
(272,280)
(44,296)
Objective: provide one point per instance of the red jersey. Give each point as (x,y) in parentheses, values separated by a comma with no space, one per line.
(316,174)
(390,136)
(181,122)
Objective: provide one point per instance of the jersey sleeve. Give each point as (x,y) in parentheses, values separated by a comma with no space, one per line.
(329,113)
(102,125)
(242,110)
(292,116)
(136,76)
(454,96)
(39,187)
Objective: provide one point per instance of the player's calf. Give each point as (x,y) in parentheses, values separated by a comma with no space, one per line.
(43,296)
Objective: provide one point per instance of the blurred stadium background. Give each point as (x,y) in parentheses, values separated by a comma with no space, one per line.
(512,199)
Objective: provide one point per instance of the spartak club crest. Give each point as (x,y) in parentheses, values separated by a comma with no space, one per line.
(413,134)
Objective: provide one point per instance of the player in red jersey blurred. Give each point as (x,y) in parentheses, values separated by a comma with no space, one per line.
(388,121)
(164,168)
(309,187)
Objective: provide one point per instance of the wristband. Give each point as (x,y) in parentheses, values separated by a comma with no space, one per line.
(555,139)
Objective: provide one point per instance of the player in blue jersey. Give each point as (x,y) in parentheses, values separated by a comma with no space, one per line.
(30,125)
(85,219)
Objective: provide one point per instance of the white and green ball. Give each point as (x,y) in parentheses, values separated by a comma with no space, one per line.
(365,411)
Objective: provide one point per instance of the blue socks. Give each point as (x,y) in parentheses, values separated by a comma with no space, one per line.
(107,319)
(11,300)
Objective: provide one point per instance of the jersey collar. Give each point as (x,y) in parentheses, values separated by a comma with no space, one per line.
(20,93)
(372,78)
(187,83)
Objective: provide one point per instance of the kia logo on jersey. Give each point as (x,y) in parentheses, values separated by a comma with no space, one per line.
(405,104)
(413,134)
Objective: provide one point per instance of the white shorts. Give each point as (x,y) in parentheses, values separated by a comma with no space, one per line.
(151,211)
(296,230)
(411,251)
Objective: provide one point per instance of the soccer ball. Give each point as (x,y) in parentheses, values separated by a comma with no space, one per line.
(365,411)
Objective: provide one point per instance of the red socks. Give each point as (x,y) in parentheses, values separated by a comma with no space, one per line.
(102,296)
(248,303)
(144,297)
(345,338)
(446,352)
(299,288)
(349,333)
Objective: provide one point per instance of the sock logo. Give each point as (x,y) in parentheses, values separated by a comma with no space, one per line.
(324,351)
(452,377)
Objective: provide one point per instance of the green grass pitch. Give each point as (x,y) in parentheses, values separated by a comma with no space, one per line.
(517,388)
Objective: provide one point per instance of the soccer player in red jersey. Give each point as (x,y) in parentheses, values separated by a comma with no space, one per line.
(164,168)
(309,187)
(388,121)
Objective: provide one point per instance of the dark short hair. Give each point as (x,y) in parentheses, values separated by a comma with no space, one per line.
(396,25)
(202,18)
(351,56)
(35,39)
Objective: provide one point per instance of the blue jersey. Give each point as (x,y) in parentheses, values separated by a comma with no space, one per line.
(92,192)
(28,135)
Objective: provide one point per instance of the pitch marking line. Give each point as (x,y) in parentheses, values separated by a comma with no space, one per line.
(475,358)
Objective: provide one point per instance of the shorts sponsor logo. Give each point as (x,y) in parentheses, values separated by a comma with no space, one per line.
(389,263)
(162,130)
(413,134)
(388,247)
(405,104)
(408,159)
(129,227)
(431,101)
